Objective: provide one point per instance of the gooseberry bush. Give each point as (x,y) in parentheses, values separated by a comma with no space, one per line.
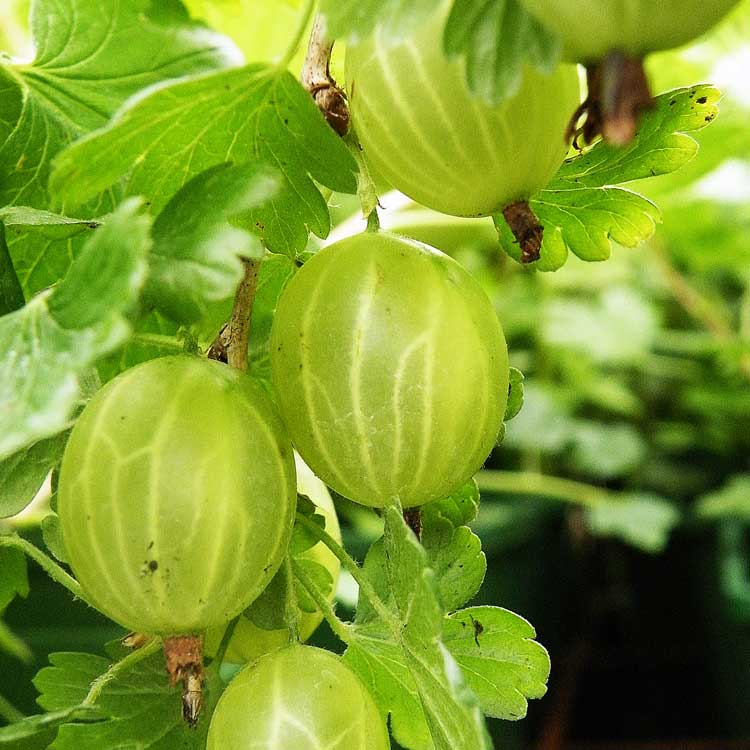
(193,366)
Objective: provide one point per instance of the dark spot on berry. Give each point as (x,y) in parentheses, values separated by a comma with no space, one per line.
(150,545)
(672,102)
(153,565)
(702,100)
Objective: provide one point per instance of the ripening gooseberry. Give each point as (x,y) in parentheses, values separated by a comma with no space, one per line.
(177,495)
(297,698)
(390,369)
(434,140)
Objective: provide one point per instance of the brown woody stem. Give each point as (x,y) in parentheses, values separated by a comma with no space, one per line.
(413,518)
(184,660)
(317,79)
(618,92)
(231,344)
(526,229)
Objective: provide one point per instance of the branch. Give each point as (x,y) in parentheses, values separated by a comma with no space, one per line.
(231,344)
(317,79)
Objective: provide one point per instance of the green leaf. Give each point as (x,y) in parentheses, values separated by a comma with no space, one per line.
(14,579)
(90,57)
(499,658)
(353,19)
(455,554)
(195,261)
(48,345)
(498,38)
(163,139)
(43,245)
(515,395)
(142,710)
(641,519)
(460,508)
(606,451)
(584,211)
(23,473)
(53,536)
(11,293)
(275,273)
(39,731)
(730,501)
(450,708)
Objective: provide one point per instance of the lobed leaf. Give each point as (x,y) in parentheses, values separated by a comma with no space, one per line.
(451,711)
(90,57)
(138,707)
(162,139)
(498,38)
(583,210)
(48,345)
(195,260)
(499,658)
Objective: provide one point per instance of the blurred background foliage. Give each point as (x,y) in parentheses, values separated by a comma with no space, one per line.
(615,513)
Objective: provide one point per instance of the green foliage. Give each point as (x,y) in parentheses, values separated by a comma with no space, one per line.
(58,97)
(497,39)
(137,706)
(161,140)
(584,210)
(50,343)
(195,261)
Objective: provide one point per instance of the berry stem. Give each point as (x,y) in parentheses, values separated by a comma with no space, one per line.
(526,229)
(50,567)
(96,687)
(231,344)
(340,628)
(317,79)
(350,565)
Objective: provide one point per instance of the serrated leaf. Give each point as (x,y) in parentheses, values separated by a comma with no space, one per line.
(456,557)
(53,537)
(515,394)
(354,19)
(164,138)
(460,508)
(732,500)
(23,473)
(90,56)
(450,709)
(583,210)
(39,731)
(142,711)
(11,293)
(47,346)
(498,38)
(195,261)
(499,658)
(641,519)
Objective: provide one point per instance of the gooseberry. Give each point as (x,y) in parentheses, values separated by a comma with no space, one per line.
(611,38)
(431,138)
(177,495)
(297,698)
(390,369)
(249,642)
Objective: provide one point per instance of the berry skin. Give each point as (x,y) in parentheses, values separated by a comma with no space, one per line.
(177,495)
(431,138)
(297,698)
(390,369)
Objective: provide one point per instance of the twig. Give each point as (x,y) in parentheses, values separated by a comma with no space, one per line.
(231,344)
(317,79)
(341,629)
